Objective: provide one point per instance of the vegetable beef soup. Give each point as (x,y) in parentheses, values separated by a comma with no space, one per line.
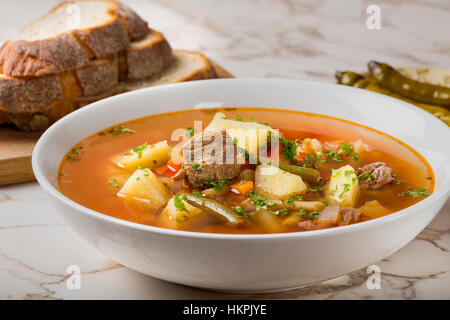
(244,170)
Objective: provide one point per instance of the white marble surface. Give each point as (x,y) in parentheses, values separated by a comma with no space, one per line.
(293,39)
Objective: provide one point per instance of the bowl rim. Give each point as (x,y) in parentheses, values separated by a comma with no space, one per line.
(437,195)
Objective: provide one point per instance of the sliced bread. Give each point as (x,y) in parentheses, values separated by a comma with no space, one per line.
(186,66)
(143,59)
(59,42)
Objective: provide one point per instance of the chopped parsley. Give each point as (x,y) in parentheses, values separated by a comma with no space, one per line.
(348,173)
(178,202)
(415,193)
(122,129)
(278,212)
(190,132)
(196,166)
(140,150)
(346,189)
(240,211)
(367,177)
(62,174)
(333,192)
(310,215)
(76,151)
(239,118)
(335,172)
(395,180)
(316,188)
(259,201)
(348,149)
(334,155)
(294,197)
(310,161)
(290,149)
(114,183)
(219,185)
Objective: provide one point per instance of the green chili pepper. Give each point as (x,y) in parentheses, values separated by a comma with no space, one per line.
(373,85)
(394,81)
(308,174)
(217,209)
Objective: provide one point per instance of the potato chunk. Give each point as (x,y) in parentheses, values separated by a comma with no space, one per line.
(343,188)
(275,183)
(144,187)
(249,135)
(373,209)
(174,218)
(146,156)
(268,221)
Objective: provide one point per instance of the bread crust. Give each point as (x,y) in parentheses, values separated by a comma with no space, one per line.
(136,27)
(40,58)
(60,102)
(106,40)
(73,49)
(29,95)
(99,77)
(148,61)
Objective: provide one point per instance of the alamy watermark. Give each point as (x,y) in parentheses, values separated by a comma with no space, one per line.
(373,21)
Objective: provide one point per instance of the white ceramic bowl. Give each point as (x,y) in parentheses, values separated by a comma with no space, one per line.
(246,263)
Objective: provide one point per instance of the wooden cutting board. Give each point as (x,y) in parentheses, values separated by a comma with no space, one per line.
(16,148)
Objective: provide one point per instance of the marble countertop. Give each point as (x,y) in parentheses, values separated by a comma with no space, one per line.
(289,39)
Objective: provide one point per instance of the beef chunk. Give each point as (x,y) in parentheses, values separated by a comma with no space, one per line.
(374,175)
(309,225)
(350,215)
(210,156)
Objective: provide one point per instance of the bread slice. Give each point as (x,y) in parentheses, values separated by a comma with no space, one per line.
(185,66)
(146,58)
(143,59)
(52,44)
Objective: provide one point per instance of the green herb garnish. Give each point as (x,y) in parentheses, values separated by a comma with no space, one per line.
(415,193)
(140,150)
(310,215)
(367,177)
(122,129)
(196,166)
(346,189)
(280,211)
(316,188)
(178,202)
(76,151)
(239,210)
(348,149)
(395,180)
(114,183)
(219,185)
(334,155)
(259,201)
(295,197)
(190,132)
(290,149)
(311,160)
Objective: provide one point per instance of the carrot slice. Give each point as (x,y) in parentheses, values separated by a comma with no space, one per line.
(173,166)
(242,187)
